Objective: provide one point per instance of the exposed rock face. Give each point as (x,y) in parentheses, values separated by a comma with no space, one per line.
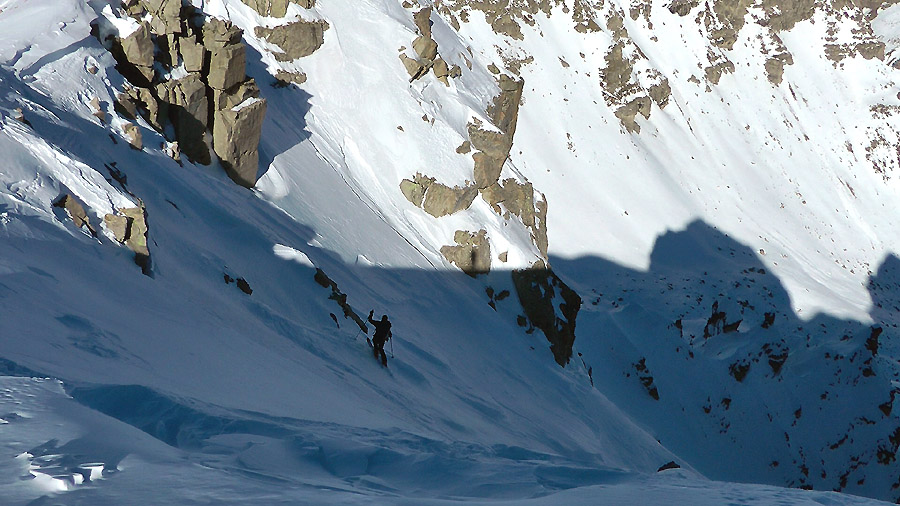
(472,253)
(518,199)
(189,113)
(296,40)
(435,198)
(540,291)
(236,132)
(76,212)
(130,229)
(226,66)
(442,200)
(425,47)
(135,56)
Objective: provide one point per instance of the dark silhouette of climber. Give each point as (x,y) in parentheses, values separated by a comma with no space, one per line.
(381,335)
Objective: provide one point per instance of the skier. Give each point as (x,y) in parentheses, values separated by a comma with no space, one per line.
(382,334)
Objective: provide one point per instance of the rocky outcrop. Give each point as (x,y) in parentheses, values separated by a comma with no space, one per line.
(435,198)
(296,40)
(189,113)
(517,199)
(549,305)
(472,252)
(236,133)
(133,135)
(129,227)
(215,94)
(276,8)
(426,52)
(134,55)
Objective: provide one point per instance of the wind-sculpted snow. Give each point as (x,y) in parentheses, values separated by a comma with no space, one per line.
(733,256)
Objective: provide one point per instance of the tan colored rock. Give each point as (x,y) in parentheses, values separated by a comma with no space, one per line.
(441,71)
(464,148)
(487,169)
(130,228)
(76,212)
(135,55)
(628,112)
(413,191)
(425,47)
(414,68)
(133,135)
(422,19)
(124,104)
(166,15)
(118,225)
(472,253)
(517,198)
(272,8)
(296,40)
(218,33)
(189,112)
(193,53)
(297,78)
(775,67)
(227,66)
(226,99)
(442,200)
(236,134)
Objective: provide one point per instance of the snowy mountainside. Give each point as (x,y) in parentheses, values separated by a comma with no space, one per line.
(717,191)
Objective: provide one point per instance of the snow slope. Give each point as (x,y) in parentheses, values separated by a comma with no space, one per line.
(180,388)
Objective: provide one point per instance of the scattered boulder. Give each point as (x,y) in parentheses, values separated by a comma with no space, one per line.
(133,135)
(124,105)
(76,211)
(628,112)
(130,228)
(296,40)
(414,68)
(472,253)
(441,71)
(272,8)
(285,77)
(97,110)
(538,288)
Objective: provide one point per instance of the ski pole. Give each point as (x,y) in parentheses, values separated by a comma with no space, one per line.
(392,348)
(357,333)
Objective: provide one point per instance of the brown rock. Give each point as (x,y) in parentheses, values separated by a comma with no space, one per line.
(296,40)
(422,19)
(236,134)
(218,33)
(76,211)
(538,289)
(189,111)
(442,200)
(133,134)
(227,66)
(425,47)
(472,253)
(193,53)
